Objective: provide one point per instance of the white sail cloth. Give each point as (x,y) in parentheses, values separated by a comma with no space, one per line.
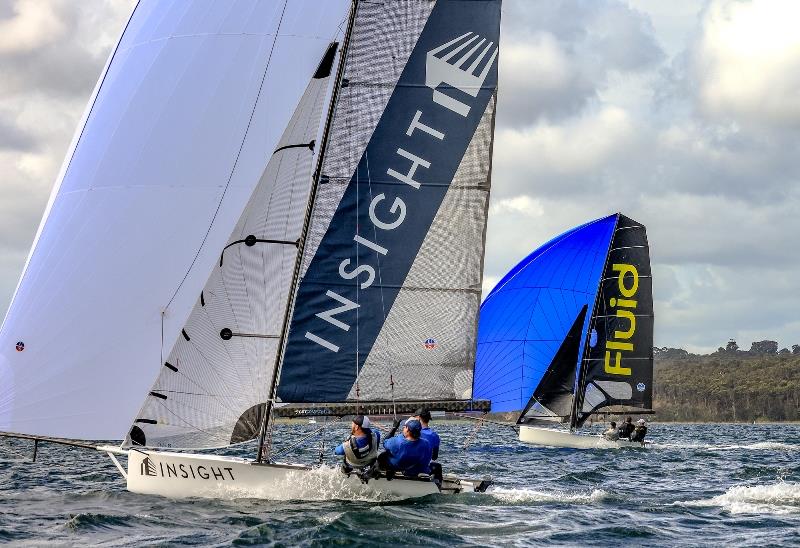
(212,388)
(183,121)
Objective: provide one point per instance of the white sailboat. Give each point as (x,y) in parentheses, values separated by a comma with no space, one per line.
(352,273)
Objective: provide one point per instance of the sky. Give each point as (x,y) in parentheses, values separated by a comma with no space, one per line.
(682,114)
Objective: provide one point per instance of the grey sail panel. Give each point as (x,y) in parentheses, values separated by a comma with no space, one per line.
(390,284)
(215,379)
(426,347)
(618,369)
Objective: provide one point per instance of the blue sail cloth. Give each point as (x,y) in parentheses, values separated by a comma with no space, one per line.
(526,316)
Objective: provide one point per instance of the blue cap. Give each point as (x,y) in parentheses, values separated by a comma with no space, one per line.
(414,427)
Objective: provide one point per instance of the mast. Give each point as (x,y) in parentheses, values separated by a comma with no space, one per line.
(266,423)
(580,381)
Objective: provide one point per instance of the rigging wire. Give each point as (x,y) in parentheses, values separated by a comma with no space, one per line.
(304,438)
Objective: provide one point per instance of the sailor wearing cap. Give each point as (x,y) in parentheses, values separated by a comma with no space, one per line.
(640,431)
(361,448)
(408,454)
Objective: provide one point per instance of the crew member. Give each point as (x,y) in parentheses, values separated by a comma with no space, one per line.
(627,428)
(408,454)
(361,448)
(611,434)
(640,431)
(423,415)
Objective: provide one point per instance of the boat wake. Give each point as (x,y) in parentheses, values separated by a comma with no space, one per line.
(758,446)
(778,498)
(516,496)
(319,484)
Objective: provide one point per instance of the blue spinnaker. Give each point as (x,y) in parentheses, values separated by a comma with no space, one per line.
(525,318)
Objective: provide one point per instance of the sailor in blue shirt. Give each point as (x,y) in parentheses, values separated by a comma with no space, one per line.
(361,448)
(423,415)
(408,454)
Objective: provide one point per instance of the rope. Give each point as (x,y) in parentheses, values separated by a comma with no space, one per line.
(481,421)
(394,406)
(304,438)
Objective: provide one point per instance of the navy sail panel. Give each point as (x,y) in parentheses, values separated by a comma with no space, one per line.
(525,318)
(410,147)
(552,400)
(618,370)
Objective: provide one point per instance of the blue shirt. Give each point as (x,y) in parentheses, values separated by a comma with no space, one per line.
(433,439)
(409,457)
(361,441)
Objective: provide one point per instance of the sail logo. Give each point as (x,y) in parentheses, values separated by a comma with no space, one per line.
(185,471)
(625,304)
(448,71)
(389,216)
(147,468)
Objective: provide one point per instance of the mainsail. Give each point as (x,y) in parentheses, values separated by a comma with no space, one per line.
(617,366)
(569,330)
(215,380)
(389,293)
(183,121)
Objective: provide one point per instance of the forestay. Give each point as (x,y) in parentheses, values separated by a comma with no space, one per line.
(215,380)
(180,128)
(388,300)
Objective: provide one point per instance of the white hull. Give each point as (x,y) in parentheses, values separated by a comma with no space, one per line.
(180,475)
(560,438)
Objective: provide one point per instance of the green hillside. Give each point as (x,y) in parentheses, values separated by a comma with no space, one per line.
(728,385)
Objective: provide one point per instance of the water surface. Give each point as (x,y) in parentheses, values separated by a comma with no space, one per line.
(737,485)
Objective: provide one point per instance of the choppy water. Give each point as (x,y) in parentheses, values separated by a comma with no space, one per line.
(737,485)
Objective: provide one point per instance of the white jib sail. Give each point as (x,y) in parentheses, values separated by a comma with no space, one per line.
(186,115)
(212,388)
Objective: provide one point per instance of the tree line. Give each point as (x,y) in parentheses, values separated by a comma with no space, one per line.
(729,385)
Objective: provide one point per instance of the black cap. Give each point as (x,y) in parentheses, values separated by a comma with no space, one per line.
(361,421)
(423,413)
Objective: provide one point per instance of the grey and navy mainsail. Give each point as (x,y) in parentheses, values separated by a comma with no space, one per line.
(388,298)
(569,330)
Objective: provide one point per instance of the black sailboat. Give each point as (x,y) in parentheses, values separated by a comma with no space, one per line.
(583,309)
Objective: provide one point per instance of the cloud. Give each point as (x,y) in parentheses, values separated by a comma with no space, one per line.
(747,62)
(563,158)
(58,47)
(14,138)
(557,56)
(33,25)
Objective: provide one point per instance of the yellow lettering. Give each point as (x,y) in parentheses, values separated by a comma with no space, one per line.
(614,345)
(623,303)
(616,369)
(624,269)
(632,319)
